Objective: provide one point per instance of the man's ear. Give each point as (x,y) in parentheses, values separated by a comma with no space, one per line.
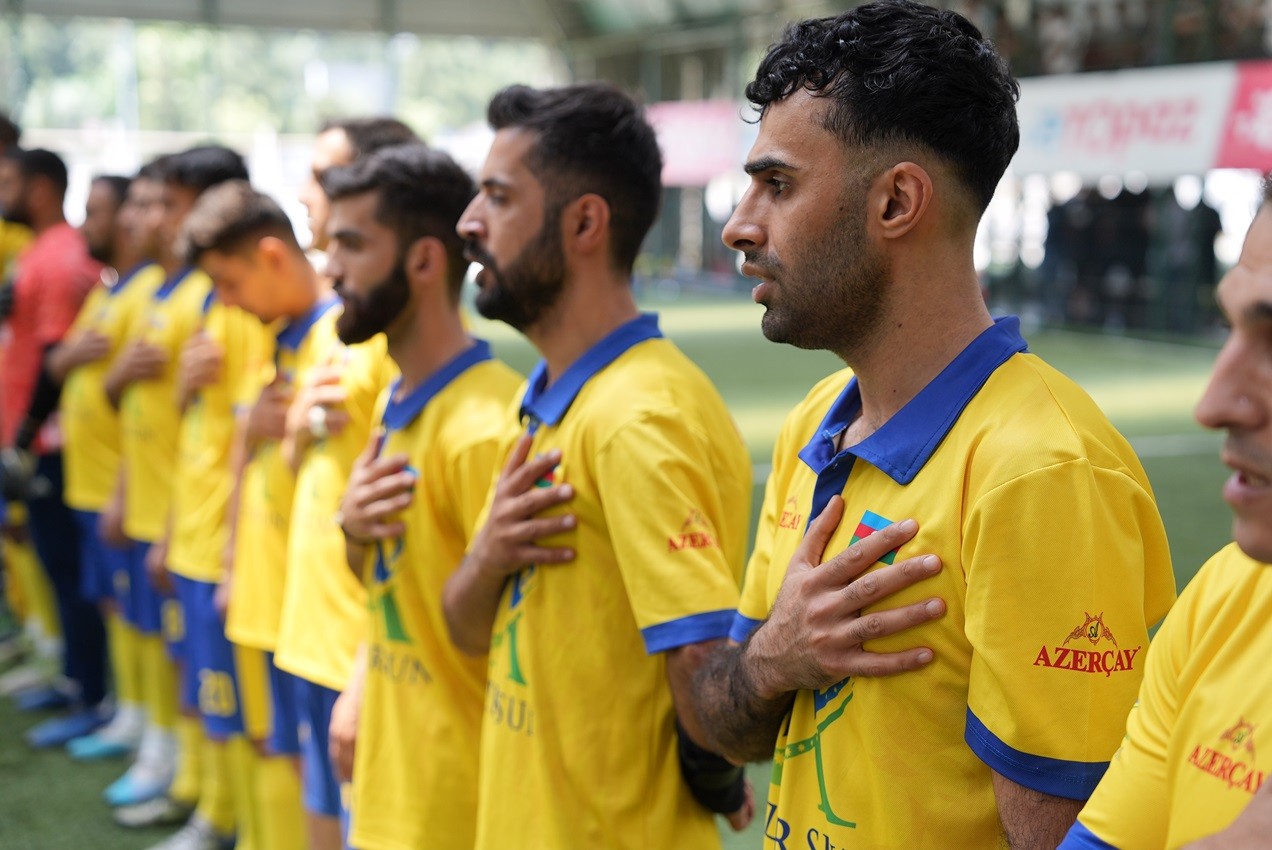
(274,253)
(585,224)
(901,197)
(425,260)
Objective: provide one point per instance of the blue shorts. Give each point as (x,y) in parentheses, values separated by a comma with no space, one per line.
(283,739)
(318,774)
(210,674)
(147,602)
(104,570)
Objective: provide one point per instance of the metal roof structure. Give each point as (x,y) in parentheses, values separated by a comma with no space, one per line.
(551,20)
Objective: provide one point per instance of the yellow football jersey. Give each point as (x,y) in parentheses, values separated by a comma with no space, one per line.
(92,449)
(579,716)
(13,239)
(1195,749)
(324,605)
(1055,565)
(203,479)
(149,419)
(419,688)
(265,495)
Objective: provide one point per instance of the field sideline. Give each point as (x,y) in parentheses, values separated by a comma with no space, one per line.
(1148,389)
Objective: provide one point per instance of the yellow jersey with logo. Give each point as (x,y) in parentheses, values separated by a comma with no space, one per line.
(579,737)
(1199,741)
(204,480)
(265,494)
(1055,565)
(324,615)
(419,688)
(92,450)
(149,418)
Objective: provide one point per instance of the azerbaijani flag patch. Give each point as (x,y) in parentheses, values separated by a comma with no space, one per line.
(870,523)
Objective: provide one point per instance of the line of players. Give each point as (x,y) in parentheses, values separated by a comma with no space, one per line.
(558,660)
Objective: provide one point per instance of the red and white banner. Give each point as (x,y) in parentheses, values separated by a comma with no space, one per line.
(1162,122)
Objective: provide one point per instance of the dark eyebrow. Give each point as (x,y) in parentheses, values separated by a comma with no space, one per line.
(767,163)
(494,183)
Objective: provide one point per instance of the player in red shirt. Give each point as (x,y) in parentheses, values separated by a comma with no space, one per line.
(53,276)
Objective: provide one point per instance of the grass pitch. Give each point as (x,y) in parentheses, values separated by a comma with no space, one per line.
(1148,389)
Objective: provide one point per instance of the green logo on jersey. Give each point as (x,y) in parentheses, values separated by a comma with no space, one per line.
(812,744)
(384,601)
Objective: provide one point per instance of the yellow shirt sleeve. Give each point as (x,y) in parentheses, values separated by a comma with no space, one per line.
(1058,654)
(666,518)
(1128,808)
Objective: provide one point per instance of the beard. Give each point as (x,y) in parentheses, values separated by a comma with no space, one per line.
(829,295)
(101,252)
(366,315)
(530,285)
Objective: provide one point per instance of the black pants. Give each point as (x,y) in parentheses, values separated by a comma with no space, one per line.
(56,539)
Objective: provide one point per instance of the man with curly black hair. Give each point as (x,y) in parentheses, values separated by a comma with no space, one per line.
(1003,551)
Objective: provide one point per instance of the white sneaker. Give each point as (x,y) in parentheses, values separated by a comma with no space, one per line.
(161,811)
(197,834)
(119,737)
(32,675)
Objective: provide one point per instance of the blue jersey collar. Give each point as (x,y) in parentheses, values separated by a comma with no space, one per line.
(902,446)
(399,413)
(543,404)
(170,285)
(126,278)
(294,334)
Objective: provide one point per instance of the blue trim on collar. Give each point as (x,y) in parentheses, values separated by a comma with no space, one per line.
(399,414)
(208,301)
(544,404)
(294,334)
(126,278)
(170,285)
(903,445)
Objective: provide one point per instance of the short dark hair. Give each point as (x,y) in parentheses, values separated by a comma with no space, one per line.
(421,192)
(38,162)
(900,71)
(157,169)
(10,132)
(590,138)
(200,168)
(118,185)
(229,217)
(368,135)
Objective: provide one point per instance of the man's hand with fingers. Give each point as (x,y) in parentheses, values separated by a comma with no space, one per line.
(380,488)
(510,538)
(140,361)
(507,543)
(267,420)
(199,366)
(815,632)
(814,635)
(317,412)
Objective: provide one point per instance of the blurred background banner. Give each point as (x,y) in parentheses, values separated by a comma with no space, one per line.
(1161,122)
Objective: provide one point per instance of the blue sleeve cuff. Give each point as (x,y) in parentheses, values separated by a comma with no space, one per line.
(709,625)
(1074,780)
(742,628)
(1081,838)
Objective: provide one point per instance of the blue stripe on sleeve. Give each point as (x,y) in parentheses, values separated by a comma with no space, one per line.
(1081,838)
(695,628)
(1074,780)
(742,627)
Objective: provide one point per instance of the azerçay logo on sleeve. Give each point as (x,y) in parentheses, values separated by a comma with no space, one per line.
(1106,658)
